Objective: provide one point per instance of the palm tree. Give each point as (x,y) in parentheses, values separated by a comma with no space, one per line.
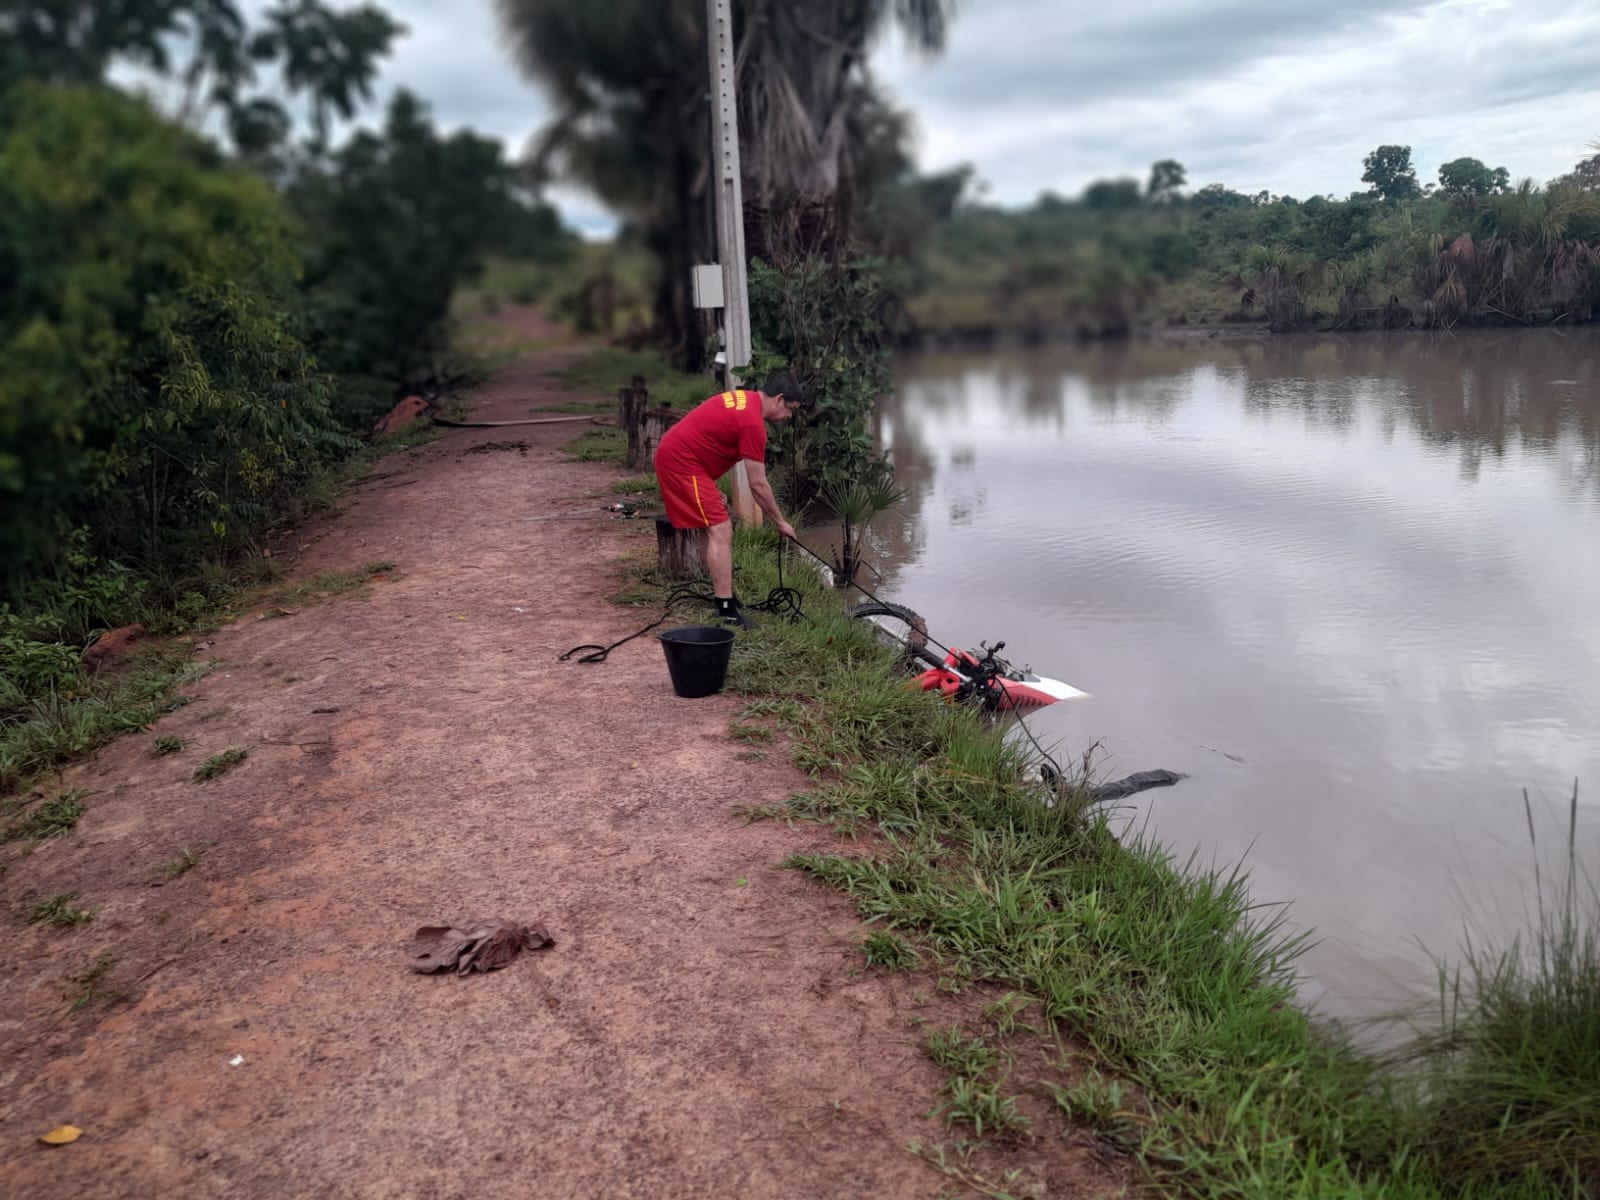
(802,64)
(635,69)
(627,80)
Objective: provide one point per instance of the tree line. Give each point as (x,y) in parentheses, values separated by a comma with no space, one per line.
(1471,248)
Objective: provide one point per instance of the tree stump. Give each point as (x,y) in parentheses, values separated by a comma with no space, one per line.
(680,553)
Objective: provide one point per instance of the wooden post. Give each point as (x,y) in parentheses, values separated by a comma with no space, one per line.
(680,553)
(631,418)
(632,405)
(655,423)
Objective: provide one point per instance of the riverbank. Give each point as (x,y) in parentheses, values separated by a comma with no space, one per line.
(1145,998)
(1139,996)
(1150,999)
(937,332)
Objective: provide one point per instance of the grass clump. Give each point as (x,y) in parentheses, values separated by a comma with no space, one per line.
(972,1092)
(166,744)
(42,730)
(885,950)
(328,583)
(637,485)
(185,861)
(638,586)
(92,984)
(55,817)
(221,763)
(599,445)
(1178,986)
(1511,1075)
(58,910)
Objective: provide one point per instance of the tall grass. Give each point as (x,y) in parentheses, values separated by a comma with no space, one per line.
(1178,988)
(44,731)
(1511,1077)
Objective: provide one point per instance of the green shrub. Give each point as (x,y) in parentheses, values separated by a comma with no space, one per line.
(828,324)
(153,388)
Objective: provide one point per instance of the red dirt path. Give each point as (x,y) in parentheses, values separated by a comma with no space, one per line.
(703,1026)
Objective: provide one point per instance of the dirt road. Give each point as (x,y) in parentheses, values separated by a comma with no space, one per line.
(702,1025)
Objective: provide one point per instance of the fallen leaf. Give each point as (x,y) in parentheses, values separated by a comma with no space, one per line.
(61,1135)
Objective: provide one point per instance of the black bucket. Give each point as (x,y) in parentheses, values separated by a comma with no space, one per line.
(697,658)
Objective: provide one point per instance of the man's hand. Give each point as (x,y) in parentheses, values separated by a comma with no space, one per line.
(784,528)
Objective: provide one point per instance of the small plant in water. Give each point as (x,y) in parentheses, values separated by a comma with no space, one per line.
(855,504)
(221,764)
(57,910)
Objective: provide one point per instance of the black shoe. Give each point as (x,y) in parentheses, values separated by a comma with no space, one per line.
(734,618)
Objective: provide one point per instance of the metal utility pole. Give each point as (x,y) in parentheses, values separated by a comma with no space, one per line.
(730,222)
(729,194)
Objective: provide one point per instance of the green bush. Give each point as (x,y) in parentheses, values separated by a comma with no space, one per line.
(153,388)
(827,323)
(393,226)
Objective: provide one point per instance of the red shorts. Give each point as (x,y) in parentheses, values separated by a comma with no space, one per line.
(692,499)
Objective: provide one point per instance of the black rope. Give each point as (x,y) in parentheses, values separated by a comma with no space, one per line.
(783,601)
(597,652)
(876,599)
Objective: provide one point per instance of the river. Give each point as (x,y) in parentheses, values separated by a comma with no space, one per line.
(1349,585)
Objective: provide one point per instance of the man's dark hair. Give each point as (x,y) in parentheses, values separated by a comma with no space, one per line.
(781,383)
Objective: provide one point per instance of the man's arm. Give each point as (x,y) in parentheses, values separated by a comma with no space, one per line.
(756,473)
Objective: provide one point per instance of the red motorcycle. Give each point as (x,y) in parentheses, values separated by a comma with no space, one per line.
(960,675)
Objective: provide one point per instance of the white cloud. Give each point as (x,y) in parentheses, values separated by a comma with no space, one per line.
(1283,95)
(1287,97)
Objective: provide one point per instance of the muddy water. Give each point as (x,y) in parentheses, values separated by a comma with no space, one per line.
(1351,586)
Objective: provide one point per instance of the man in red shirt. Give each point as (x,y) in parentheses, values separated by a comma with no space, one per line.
(704,446)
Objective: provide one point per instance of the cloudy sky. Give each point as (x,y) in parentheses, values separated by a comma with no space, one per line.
(1282,95)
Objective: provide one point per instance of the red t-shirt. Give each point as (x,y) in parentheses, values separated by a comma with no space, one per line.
(715,435)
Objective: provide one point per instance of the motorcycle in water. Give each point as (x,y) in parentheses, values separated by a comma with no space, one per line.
(960,675)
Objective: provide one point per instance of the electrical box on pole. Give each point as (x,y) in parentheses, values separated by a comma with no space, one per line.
(729,194)
(707,283)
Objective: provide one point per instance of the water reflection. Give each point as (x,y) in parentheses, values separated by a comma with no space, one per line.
(1343,582)
(1486,390)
